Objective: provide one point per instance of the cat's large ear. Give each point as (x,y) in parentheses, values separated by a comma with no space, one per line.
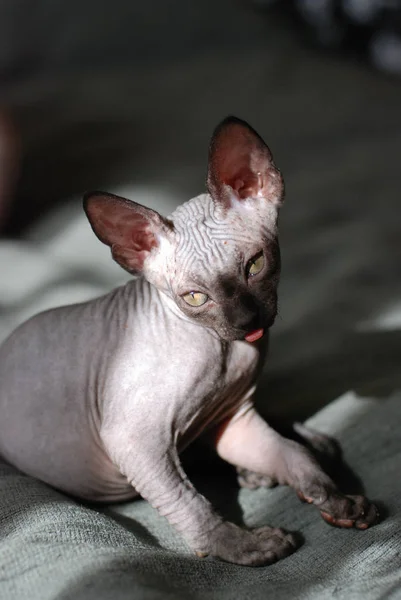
(131,230)
(241,165)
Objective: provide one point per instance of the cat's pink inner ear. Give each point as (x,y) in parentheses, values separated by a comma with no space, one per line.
(240,159)
(243,181)
(126,227)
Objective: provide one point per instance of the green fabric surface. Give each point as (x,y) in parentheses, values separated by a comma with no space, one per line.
(52,547)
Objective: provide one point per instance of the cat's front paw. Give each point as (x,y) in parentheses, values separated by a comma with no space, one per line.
(256,547)
(352,511)
(346,511)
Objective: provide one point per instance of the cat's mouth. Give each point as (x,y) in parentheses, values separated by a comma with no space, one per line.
(254,335)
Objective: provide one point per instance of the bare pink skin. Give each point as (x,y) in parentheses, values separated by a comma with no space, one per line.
(99,399)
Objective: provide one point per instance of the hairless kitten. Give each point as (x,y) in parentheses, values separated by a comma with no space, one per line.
(98,399)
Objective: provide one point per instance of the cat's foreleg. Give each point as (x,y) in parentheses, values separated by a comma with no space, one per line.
(151,465)
(247,442)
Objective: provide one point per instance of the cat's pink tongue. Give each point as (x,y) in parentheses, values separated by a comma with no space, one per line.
(254,335)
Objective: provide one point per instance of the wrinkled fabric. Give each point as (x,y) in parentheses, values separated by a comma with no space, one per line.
(54,547)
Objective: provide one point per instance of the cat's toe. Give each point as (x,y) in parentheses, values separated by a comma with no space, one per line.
(257,547)
(251,480)
(356,512)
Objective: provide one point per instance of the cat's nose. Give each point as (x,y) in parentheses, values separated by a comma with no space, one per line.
(249,323)
(256,321)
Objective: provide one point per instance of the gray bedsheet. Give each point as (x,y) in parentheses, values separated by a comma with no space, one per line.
(53,547)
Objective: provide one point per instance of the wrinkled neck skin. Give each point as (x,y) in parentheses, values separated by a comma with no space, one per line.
(145,303)
(207,375)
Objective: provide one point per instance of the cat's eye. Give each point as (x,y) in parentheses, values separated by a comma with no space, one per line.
(255,265)
(195,298)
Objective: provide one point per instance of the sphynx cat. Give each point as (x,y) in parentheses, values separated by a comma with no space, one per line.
(98,399)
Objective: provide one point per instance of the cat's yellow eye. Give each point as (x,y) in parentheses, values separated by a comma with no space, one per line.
(195,298)
(255,265)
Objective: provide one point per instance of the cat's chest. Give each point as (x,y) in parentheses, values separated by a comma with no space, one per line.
(231,379)
(242,366)
(241,360)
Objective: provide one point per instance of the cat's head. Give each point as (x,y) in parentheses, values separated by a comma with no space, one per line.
(217,257)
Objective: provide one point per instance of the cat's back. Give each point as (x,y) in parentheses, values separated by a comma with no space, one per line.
(49,337)
(51,367)
(76,330)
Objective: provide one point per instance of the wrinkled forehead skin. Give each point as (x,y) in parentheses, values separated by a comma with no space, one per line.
(211,242)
